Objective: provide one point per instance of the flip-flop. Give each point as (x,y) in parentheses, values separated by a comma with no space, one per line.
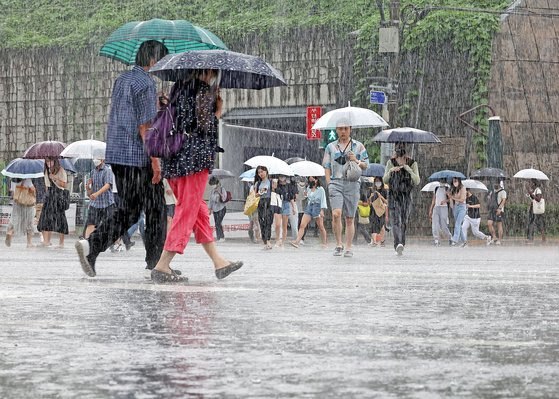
(223,272)
(160,277)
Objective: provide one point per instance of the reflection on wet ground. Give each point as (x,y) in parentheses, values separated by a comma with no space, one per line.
(438,322)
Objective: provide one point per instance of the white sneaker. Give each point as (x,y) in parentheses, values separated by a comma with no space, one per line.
(302,242)
(399,250)
(82,247)
(488,240)
(221,240)
(147,274)
(497,242)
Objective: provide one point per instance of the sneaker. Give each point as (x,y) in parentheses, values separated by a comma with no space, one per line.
(87,261)
(452,244)
(436,243)
(348,253)
(497,242)
(338,251)
(302,242)
(488,240)
(464,244)
(382,244)
(147,274)
(130,245)
(399,250)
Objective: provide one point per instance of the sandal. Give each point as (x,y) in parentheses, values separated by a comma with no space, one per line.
(223,272)
(160,277)
(294,244)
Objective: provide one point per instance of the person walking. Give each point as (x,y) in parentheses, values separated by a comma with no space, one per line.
(263,188)
(497,199)
(138,177)
(438,213)
(300,202)
(473,218)
(316,204)
(40,194)
(536,212)
(363,215)
(53,214)
(457,199)
(23,211)
(99,190)
(288,195)
(198,106)
(218,196)
(343,190)
(379,212)
(401,174)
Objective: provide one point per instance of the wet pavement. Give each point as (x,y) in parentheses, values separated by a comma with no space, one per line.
(438,322)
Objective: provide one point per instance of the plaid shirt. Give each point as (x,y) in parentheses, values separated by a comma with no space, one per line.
(100,177)
(132,104)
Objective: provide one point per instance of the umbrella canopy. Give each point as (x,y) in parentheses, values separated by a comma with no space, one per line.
(221,174)
(374,170)
(249,174)
(178,36)
(238,71)
(89,149)
(406,135)
(474,185)
(275,165)
(83,165)
(349,116)
(488,173)
(25,168)
(68,166)
(446,174)
(307,168)
(291,160)
(531,174)
(430,187)
(44,149)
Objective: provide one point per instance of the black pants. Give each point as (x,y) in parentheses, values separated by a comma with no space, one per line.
(535,222)
(266,218)
(399,206)
(218,220)
(136,193)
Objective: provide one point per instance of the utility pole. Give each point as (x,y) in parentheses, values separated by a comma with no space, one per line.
(389,45)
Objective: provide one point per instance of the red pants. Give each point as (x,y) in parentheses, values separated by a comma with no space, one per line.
(191,212)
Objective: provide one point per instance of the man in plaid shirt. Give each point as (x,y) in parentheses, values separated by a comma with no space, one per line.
(138,178)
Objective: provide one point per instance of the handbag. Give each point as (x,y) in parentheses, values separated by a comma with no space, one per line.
(538,208)
(251,203)
(275,199)
(24,196)
(352,171)
(379,207)
(161,139)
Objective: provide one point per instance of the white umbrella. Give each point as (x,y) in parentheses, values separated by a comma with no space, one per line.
(349,116)
(307,168)
(531,174)
(275,165)
(85,149)
(474,185)
(430,187)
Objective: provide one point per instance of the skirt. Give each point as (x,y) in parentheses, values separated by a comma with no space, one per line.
(22,219)
(53,216)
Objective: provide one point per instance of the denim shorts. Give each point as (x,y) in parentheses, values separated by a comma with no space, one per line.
(313,210)
(286,208)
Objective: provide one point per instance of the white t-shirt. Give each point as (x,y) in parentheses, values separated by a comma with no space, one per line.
(501,195)
(440,195)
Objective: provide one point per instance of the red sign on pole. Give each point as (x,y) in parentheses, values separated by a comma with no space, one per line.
(313,113)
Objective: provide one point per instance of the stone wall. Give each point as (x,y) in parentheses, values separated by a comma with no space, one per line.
(524,91)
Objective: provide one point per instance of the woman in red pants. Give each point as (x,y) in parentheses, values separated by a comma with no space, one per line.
(197,109)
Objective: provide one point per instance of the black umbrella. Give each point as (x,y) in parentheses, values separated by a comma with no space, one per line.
(238,71)
(489,173)
(406,135)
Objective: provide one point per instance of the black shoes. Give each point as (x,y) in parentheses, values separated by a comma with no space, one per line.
(227,270)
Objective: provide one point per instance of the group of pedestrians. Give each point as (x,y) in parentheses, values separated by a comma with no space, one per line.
(138,177)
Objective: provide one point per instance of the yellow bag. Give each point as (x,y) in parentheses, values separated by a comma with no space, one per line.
(251,203)
(24,196)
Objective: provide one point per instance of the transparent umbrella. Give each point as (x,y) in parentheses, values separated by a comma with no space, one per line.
(274,165)
(531,174)
(349,116)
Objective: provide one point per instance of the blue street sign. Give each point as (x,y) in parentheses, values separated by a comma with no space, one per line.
(378,97)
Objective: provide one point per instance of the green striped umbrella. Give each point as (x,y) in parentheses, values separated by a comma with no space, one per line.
(178,36)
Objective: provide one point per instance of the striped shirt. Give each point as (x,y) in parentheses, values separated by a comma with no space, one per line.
(334,152)
(132,104)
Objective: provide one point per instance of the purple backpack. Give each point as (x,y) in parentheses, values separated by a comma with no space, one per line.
(162,140)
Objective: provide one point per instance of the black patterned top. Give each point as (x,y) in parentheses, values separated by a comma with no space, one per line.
(195,105)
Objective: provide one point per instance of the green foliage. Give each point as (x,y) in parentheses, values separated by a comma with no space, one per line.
(517,219)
